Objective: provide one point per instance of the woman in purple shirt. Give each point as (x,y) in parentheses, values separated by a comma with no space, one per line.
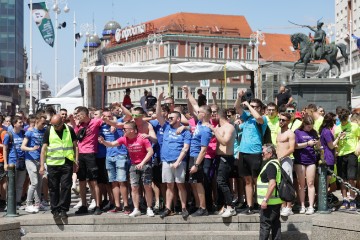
(305,158)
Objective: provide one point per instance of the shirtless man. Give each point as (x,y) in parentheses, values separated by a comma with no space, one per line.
(285,146)
(225,135)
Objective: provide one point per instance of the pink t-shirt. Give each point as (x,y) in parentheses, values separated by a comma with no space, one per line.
(89,144)
(136,148)
(211,150)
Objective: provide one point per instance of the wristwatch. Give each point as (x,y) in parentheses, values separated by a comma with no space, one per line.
(196,165)
(265,200)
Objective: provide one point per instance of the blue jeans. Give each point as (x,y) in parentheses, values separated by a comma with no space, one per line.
(117,167)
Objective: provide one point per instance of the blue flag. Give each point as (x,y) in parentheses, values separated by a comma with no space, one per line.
(357,41)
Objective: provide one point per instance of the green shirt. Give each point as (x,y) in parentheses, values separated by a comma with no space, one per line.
(273,124)
(295,125)
(351,139)
(317,124)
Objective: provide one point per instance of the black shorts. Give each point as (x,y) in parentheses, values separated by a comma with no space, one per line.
(197,177)
(331,167)
(347,166)
(88,168)
(2,171)
(102,172)
(235,169)
(250,164)
(157,171)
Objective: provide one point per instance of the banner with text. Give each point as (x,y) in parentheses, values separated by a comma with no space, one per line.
(42,19)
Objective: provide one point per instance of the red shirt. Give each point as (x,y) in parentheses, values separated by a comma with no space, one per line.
(136,148)
(127,101)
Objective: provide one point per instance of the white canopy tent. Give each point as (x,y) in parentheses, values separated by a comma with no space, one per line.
(187,71)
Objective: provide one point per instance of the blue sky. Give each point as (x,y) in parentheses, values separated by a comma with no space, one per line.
(266,15)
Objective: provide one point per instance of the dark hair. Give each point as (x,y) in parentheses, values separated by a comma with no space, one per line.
(165,108)
(178,114)
(50,110)
(312,107)
(63,109)
(308,120)
(139,109)
(15,119)
(222,113)
(132,125)
(84,110)
(344,115)
(338,109)
(328,121)
(231,110)
(257,101)
(271,104)
(285,114)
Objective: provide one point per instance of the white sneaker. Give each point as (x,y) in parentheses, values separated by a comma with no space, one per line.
(302,210)
(79,204)
(135,213)
(40,207)
(310,211)
(228,212)
(149,212)
(31,209)
(92,205)
(285,212)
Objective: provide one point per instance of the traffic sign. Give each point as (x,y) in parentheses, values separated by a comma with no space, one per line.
(205,83)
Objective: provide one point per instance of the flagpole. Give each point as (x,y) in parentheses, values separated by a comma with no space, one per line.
(30,61)
(74,45)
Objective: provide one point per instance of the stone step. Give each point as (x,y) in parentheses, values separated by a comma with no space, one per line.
(168,235)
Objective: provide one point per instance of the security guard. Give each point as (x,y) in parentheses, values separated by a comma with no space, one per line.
(267,181)
(61,153)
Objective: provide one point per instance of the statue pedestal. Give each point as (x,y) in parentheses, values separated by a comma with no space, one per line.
(326,92)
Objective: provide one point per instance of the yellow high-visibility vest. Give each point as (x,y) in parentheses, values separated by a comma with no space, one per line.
(59,149)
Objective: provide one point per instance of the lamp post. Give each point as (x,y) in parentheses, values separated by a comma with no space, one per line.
(87,29)
(56,8)
(255,39)
(155,39)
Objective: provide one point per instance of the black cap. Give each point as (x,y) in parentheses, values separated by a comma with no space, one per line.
(127,90)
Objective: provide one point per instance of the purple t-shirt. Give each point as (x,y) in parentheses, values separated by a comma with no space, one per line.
(329,154)
(305,156)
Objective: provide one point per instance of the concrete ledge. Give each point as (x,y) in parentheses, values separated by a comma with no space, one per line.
(9,229)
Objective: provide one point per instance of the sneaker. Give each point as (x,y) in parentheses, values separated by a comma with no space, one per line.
(135,213)
(115,210)
(302,210)
(165,213)
(31,209)
(149,212)
(106,205)
(127,210)
(344,205)
(92,205)
(157,208)
(248,211)
(63,215)
(97,211)
(352,206)
(56,215)
(19,206)
(45,203)
(310,211)
(40,207)
(200,212)
(184,213)
(286,211)
(82,210)
(79,204)
(229,212)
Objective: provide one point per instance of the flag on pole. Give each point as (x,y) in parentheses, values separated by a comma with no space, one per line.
(77,38)
(43,21)
(357,41)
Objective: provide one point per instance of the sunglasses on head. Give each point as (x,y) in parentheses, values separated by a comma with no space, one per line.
(136,115)
(290,111)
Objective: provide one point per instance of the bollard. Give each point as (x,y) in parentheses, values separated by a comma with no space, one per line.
(11,192)
(322,190)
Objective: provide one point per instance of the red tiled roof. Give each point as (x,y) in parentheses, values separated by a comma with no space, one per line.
(277,48)
(203,24)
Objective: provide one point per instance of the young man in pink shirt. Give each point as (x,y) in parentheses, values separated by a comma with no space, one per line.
(140,152)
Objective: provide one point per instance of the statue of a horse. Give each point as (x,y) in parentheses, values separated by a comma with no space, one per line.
(328,52)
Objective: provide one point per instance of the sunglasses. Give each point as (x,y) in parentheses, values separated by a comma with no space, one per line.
(171,118)
(283,120)
(136,115)
(229,116)
(253,106)
(290,111)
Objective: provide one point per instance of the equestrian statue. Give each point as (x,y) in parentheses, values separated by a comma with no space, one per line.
(318,49)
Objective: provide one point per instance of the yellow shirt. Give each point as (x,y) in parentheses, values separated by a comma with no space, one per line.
(273,124)
(317,124)
(351,140)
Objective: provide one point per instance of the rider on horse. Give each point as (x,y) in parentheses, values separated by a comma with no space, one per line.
(319,39)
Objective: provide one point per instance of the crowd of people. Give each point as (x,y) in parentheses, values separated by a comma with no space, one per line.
(162,158)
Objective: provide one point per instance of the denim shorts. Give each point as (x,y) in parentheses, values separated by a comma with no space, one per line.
(145,175)
(117,167)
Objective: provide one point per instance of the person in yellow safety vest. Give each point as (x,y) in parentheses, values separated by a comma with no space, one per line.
(60,151)
(267,197)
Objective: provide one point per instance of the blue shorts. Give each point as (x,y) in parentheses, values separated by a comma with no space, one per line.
(117,168)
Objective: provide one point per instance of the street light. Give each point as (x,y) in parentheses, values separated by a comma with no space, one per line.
(257,38)
(56,8)
(86,29)
(154,39)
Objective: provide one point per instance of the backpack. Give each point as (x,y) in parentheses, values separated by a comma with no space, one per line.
(266,137)
(285,190)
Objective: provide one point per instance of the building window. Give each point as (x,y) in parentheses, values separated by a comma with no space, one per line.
(207,52)
(263,94)
(193,51)
(248,54)
(221,53)
(263,77)
(276,78)
(150,53)
(220,94)
(144,55)
(179,93)
(156,52)
(192,90)
(234,93)
(275,92)
(235,53)
(139,56)
(173,50)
